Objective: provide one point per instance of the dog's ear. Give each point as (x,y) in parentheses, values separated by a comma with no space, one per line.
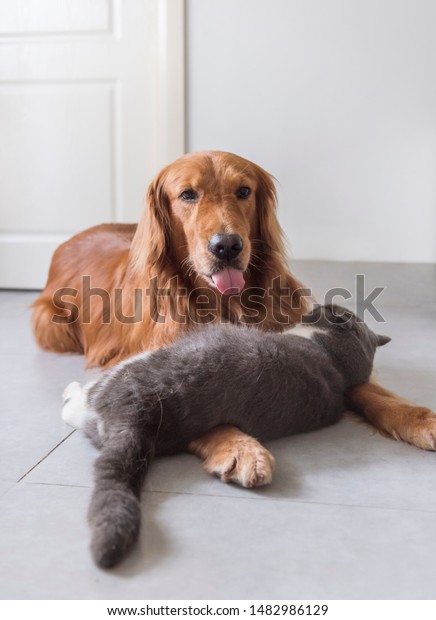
(270,250)
(270,232)
(150,245)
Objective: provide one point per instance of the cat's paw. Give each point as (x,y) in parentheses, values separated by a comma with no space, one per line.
(74,408)
(72,390)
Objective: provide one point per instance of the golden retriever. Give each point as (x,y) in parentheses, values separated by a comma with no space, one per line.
(208,248)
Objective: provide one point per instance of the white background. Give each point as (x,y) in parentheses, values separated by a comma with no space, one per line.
(337,99)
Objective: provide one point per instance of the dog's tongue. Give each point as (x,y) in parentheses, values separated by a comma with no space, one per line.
(229,281)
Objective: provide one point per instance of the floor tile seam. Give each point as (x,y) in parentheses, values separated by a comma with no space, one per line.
(240,497)
(295,501)
(46,456)
(56,484)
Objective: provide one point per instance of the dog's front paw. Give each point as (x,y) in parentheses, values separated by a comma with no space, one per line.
(234,457)
(246,463)
(419,428)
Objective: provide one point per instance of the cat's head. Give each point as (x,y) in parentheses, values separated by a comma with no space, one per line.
(335,317)
(351,342)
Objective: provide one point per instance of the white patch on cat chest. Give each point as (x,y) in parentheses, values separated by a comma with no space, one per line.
(304,331)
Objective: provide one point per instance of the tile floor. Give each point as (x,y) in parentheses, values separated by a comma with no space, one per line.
(349,515)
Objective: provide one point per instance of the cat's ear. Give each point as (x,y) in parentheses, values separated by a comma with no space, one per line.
(332,314)
(382,340)
(339,316)
(313,316)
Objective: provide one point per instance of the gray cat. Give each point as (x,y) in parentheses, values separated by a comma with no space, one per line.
(268,384)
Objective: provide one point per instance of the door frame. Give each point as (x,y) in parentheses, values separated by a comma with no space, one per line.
(170,130)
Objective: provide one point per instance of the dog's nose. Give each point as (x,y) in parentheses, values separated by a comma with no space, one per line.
(225,247)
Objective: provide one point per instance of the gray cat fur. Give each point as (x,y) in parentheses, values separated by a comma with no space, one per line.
(267,384)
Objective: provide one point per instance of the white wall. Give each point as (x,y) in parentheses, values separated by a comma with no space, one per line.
(337,99)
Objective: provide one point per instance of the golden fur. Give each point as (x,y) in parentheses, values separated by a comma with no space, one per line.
(168,250)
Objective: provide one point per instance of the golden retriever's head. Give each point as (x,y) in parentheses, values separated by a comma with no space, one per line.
(212,215)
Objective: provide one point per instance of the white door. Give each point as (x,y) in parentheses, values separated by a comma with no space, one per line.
(91,107)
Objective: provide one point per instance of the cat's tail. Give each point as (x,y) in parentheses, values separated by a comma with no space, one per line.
(115,513)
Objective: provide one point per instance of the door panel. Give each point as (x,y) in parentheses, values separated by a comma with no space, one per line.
(89,112)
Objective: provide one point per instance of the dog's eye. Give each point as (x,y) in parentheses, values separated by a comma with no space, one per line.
(188,195)
(243,192)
